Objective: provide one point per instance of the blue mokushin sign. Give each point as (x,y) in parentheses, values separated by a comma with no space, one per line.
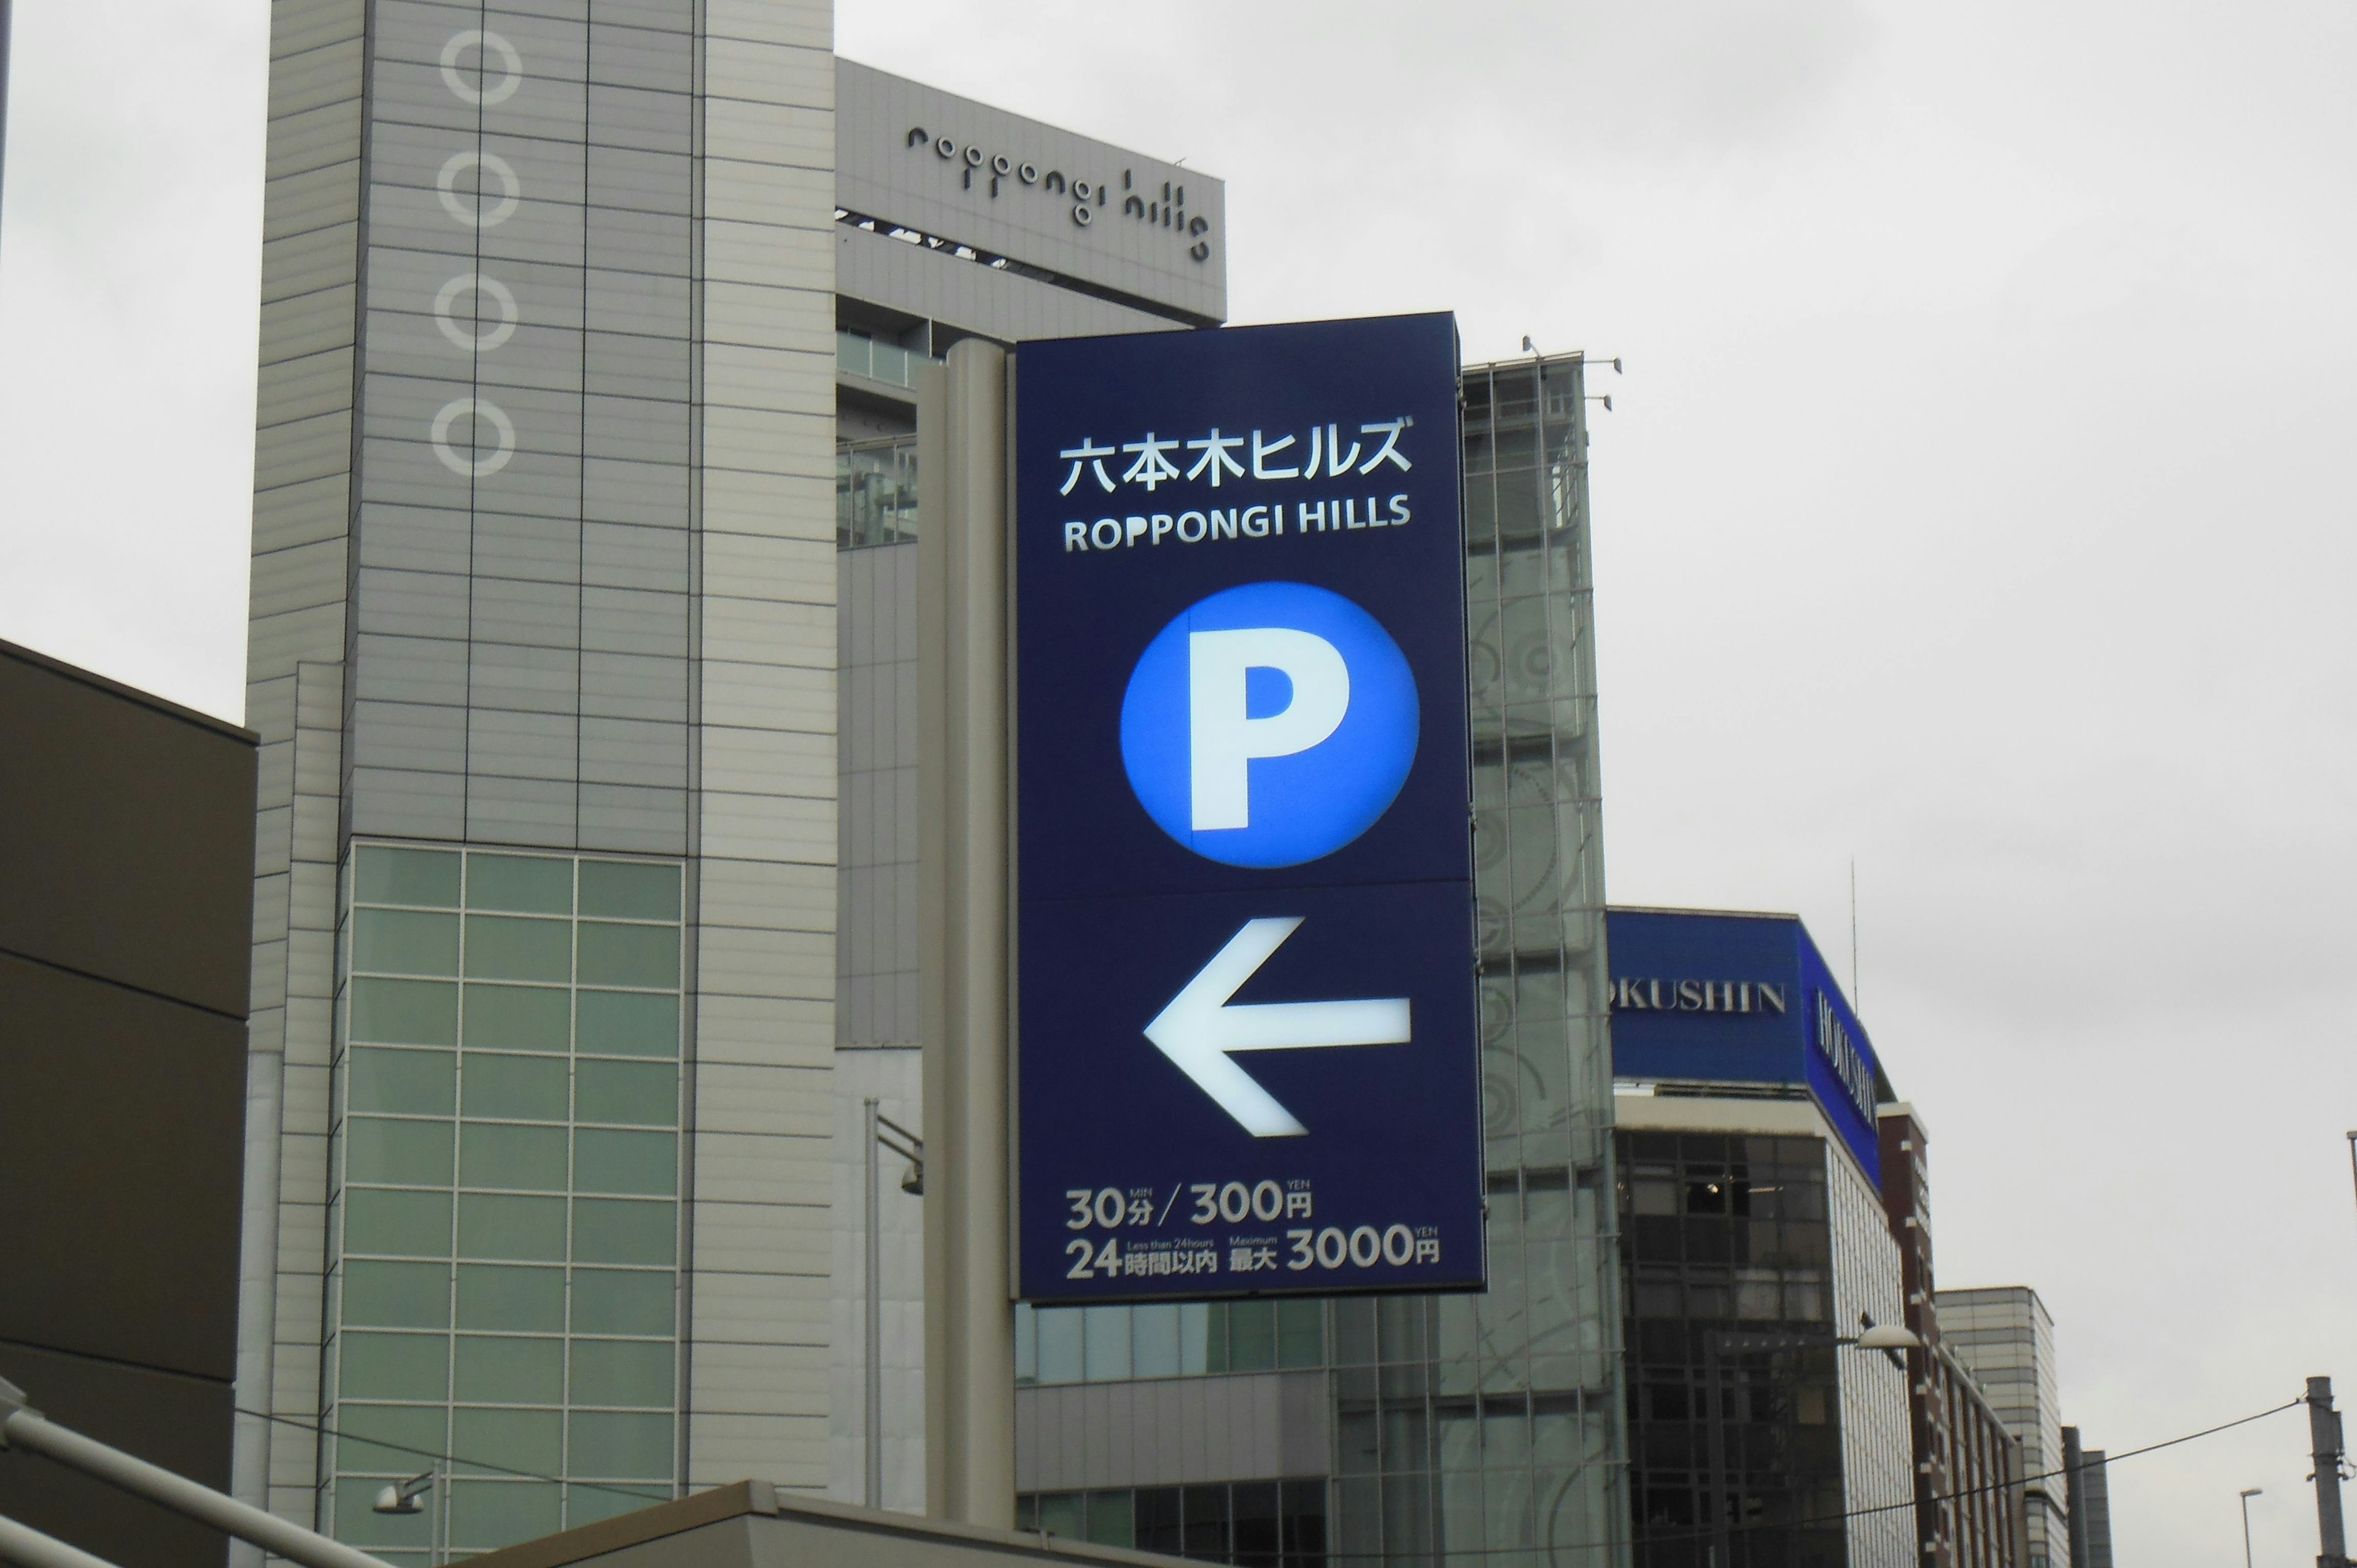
(1701,996)
(1246,1056)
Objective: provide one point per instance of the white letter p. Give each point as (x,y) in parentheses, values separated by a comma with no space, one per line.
(1222,741)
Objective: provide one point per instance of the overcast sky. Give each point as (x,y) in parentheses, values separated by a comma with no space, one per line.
(1975,505)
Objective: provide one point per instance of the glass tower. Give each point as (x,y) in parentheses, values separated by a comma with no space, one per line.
(1486,1429)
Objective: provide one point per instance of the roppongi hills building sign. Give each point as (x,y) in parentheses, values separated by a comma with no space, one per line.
(1247,1047)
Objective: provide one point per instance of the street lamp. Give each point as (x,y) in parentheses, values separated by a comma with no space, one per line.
(881,1130)
(2247,1494)
(401,1498)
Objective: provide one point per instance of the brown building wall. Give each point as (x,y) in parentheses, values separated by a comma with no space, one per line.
(126,835)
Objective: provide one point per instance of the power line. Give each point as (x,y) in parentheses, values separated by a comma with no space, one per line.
(1657,1539)
(324,1430)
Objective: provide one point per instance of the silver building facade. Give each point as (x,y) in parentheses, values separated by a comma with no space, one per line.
(1401,1428)
(578,858)
(2005,1337)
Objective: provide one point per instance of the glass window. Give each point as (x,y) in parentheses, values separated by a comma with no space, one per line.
(529,884)
(611,1301)
(498,1226)
(502,1296)
(397,1295)
(1111,1520)
(629,955)
(496,1154)
(508,1371)
(492,1512)
(405,1011)
(625,1162)
(513,1439)
(622,1371)
(1300,1334)
(503,947)
(624,1447)
(406,941)
(407,876)
(626,1024)
(526,1087)
(414,1083)
(631,891)
(618,1230)
(1059,1343)
(1105,1336)
(1154,1346)
(643,1093)
(403,1224)
(518,1018)
(392,1366)
(1251,1336)
(1059,1514)
(408,1436)
(411,1153)
(1194,1338)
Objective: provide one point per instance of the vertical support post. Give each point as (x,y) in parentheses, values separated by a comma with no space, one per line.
(1715,1431)
(964,850)
(872,1366)
(2324,1444)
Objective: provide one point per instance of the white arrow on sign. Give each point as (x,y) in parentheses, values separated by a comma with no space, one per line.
(1198,1029)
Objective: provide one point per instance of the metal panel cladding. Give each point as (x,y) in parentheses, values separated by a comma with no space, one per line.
(1247,1025)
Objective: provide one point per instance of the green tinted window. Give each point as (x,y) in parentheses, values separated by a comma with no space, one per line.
(518,1018)
(404,941)
(418,1434)
(392,1366)
(404,1224)
(1300,1334)
(619,1231)
(397,1295)
(644,1094)
(610,1301)
(629,892)
(411,1084)
(495,1512)
(501,1295)
(622,1371)
(529,884)
(629,955)
(503,947)
(531,1089)
(407,876)
(532,1158)
(414,1154)
(494,1225)
(622,1024)
(625,1162)
(512,1439)
(1251,1336)
(405,1011)
(510,1370)
(622,1446)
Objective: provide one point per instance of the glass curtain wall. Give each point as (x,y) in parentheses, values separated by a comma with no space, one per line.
(503,1241)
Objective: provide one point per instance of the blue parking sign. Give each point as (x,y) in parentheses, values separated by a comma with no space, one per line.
(1246,1056)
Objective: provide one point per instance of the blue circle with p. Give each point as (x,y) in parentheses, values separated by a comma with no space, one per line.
(1269,724)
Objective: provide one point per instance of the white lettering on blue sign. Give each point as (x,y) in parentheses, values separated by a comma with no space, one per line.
(1223,738)
(1841,1053)
(1152,467)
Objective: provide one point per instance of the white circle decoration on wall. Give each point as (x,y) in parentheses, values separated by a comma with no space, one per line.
(472,336)
(510,66)
(468,207)
(470,464)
